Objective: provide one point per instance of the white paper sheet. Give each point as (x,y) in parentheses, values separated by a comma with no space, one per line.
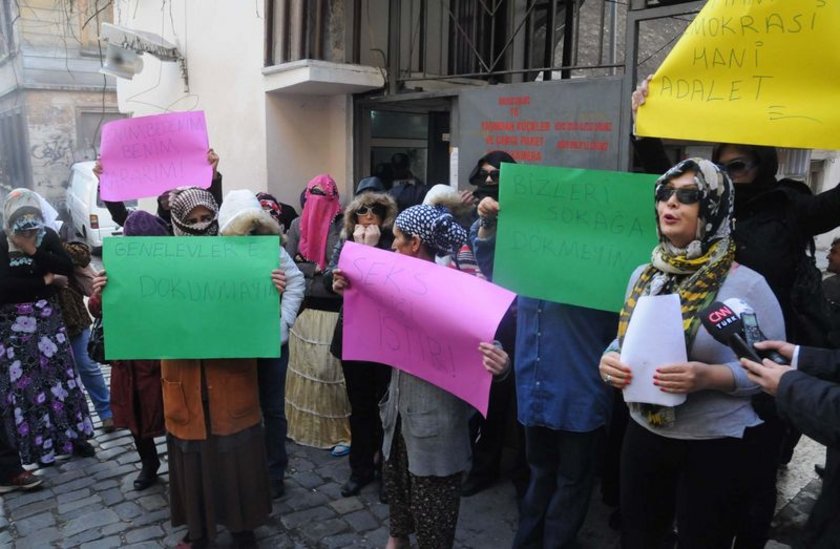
(654,338)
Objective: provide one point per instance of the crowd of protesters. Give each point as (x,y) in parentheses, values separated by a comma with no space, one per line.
(700,474)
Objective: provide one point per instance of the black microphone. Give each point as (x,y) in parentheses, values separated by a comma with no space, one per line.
(726,327)
(751,332)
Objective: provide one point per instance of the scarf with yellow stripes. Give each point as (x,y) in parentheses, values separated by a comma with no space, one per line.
(695,272)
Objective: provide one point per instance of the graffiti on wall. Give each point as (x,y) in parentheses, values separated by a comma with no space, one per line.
(58,149)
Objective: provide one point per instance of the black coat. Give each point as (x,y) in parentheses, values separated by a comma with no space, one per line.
(25,283)
(810,399)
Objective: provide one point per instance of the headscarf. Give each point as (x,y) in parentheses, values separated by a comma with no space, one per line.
(767,159)
(182,203)
(495,159)
(271,205)
(22,212)
(140,223)
(435,227)
(319,212)
(697,271)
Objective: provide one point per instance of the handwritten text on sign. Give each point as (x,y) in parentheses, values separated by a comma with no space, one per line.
(573,236)
(425,319)
(761,73)
(149,155)
(189,297)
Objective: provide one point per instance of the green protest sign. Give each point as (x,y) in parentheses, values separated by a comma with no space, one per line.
(191,297)
(573,236)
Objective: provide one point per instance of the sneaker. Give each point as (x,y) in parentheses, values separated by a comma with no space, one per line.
(108,425)
(341,449)
(22,481)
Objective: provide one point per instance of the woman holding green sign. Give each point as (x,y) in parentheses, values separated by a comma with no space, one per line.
(217,458)
(683,462)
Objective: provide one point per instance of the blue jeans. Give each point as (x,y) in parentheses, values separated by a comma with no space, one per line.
(562,472)
(271,374)
(91,375)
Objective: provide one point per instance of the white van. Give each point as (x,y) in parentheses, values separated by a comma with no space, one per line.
(88,216)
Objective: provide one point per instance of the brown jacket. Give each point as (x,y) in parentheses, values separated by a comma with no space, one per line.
(232,396)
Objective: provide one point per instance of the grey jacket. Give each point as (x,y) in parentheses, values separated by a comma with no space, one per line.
(434,425)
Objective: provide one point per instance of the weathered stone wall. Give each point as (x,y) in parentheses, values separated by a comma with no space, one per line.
(52,118)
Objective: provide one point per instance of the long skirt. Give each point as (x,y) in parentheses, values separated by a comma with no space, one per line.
(43,405)
(222,480)
(317,407)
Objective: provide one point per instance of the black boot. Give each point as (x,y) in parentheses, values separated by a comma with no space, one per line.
(150,463)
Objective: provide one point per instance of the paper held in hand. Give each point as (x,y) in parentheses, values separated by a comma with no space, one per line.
(654,338)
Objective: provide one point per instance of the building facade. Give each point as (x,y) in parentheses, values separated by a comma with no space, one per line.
(294,88)
(52,98)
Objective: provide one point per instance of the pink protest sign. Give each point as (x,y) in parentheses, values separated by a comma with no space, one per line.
(422,318)
(149,155)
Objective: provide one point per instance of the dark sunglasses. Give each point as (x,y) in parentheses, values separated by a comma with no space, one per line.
(685,196)
(375,210)
(494,175)
(318,191)
(738,167)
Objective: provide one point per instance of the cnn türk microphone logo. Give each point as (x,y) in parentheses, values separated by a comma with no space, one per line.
(722,316)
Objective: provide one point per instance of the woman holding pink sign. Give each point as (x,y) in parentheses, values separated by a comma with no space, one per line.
(682,462)
(427,441)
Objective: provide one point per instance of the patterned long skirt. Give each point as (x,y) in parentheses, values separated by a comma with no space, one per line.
(41,395)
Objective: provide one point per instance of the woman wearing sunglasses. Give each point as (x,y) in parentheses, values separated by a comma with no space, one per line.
(368,220)
(776,221)
(682,462)
(485,174)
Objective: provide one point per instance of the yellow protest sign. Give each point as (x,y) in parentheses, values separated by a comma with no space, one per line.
(761,72)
